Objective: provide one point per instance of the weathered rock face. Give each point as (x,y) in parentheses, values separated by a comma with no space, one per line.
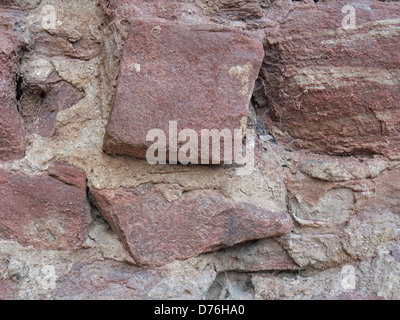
(18,4)
(6,291)
(200,76)
(254,256)
(12,139)
(327,225)
(48,211)
(127,281)
(333,90)
(157,232)
(129,9)
(171,10)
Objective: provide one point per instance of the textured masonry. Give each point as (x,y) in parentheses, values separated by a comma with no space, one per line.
(324,193)
(332,90)
(157,232)
(12,138)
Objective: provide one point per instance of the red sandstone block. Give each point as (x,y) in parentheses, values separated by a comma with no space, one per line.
(333,90)
(200,76)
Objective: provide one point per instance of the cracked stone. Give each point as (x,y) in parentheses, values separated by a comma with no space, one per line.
(156,231)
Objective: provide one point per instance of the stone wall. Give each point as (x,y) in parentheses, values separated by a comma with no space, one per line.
(83,215)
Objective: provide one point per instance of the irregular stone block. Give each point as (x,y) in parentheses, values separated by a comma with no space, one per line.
(46,211)
(156,231)
(333,90)
(128,9)
(12,138)
(367,232)
(200,76)
(63,44)
(298,286)
(262,255)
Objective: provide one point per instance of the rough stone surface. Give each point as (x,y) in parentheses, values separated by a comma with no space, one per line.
(157,232)
(365,234)
(47,211)
(333,90)
(23,4)
(326,154)
(340,170)
(200,76)
(266,254)
(39,108)
(12,140)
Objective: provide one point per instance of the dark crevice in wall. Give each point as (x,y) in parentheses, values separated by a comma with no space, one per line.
(231,285)
(19,92)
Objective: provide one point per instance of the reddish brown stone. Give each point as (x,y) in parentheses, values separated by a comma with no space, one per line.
(19,4)
(50,45)
(200,76)
(107,280)
(156,231)
(39,108)
(12,139)
(6,290)
(68,174)
(332,90)
(49,212)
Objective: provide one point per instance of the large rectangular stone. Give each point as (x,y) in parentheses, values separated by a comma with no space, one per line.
(200,76)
